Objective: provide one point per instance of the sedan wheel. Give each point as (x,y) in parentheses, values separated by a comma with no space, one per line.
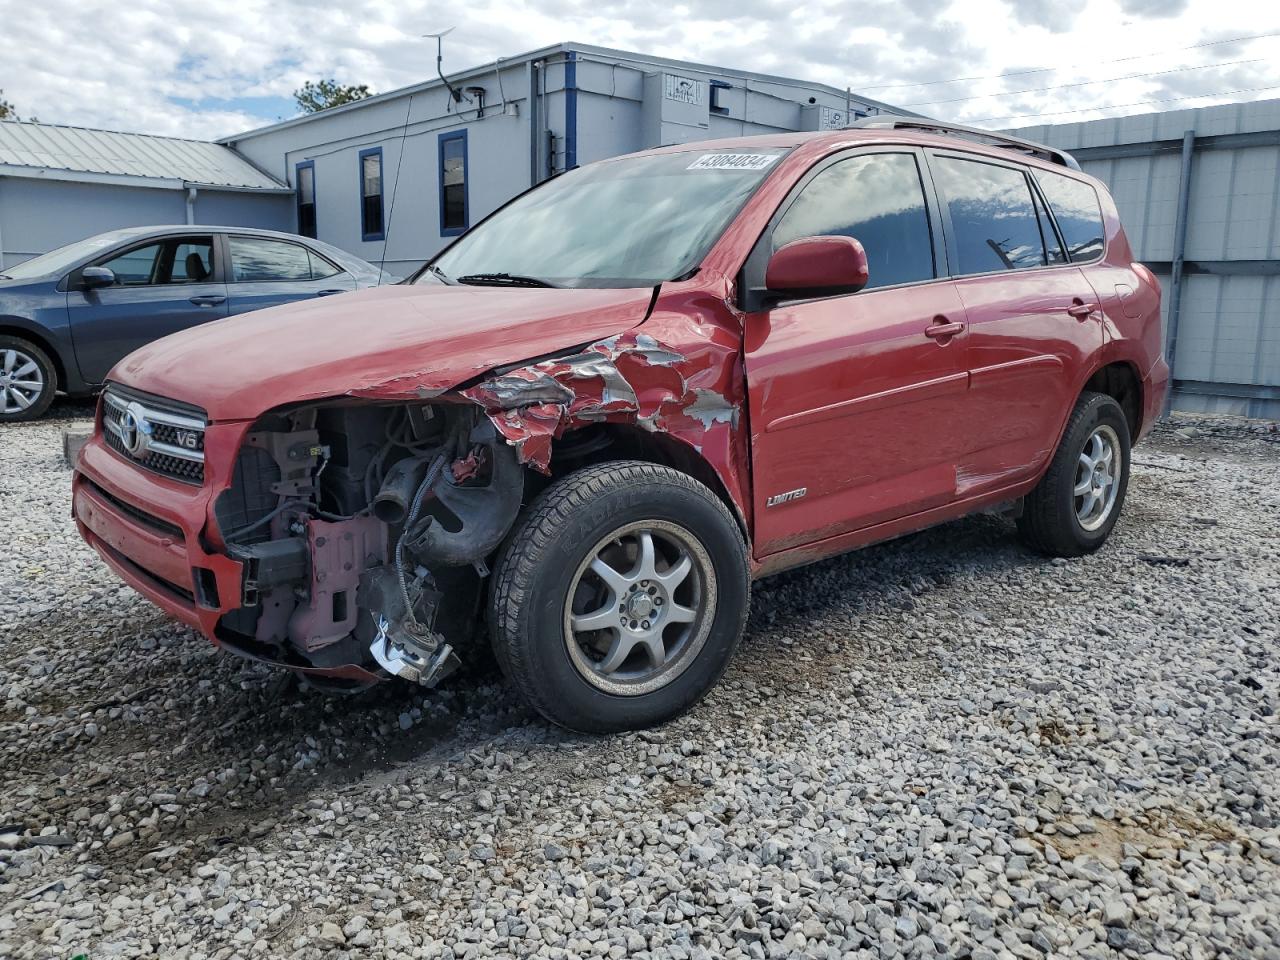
(27,380)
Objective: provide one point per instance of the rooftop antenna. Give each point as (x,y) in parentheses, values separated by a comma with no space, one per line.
(439,39)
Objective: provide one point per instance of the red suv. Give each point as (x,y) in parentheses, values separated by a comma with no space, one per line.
(580,431)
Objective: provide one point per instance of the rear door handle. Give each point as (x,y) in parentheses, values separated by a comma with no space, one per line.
(212,300)
(942,330)
(1082,311)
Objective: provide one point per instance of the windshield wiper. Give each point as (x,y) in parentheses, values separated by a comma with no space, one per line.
(502,280)
(439,273)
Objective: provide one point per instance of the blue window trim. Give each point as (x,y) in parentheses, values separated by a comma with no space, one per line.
(570,110)
(716,87)
(297,193)
(365,232)
(466,183)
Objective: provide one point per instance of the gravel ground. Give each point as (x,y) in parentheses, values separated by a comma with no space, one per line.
(943,746)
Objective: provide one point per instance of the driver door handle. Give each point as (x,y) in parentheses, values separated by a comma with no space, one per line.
(211,300)
(940,329)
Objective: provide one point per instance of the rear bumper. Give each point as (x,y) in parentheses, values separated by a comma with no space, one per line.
(159,537)
(1155,388)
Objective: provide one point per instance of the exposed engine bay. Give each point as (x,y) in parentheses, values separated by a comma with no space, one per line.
(364,532)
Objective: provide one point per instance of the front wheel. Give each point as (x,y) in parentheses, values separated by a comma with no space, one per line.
(620,597)
(28,380)
(1075,506)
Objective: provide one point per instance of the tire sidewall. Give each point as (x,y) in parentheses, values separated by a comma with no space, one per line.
(1100,410)
(47,370)
(582,706)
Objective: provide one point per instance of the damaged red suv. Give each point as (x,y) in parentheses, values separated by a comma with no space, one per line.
(579,432)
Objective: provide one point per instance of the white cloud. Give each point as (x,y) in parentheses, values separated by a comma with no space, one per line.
(185,68)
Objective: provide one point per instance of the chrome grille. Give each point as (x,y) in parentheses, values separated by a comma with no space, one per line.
(158,438)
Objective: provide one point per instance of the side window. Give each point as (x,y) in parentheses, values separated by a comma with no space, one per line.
(1052,247)
(992,216)
(453,183)
(305,185)
(136,267)
(371,194)
(192,261)
(253,258)
(321,269)
(179,260)
(878,200)
(1075,207)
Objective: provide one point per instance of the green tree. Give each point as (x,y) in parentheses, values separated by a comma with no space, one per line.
(323,94)
(7,110)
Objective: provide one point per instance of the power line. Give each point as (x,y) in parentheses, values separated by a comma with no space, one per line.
(1117,106)
(1085,83)
(1022,73)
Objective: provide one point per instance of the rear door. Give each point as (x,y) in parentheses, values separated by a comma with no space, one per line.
(266,272)
(857,402)
(162,286)
(1033,317)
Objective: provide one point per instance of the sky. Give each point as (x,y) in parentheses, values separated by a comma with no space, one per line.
(217,67)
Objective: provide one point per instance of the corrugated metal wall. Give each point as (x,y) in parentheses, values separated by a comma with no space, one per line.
(1227,349)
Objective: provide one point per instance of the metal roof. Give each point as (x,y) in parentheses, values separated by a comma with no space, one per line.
(55,152)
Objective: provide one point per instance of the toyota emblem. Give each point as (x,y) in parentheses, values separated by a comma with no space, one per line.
(135,430)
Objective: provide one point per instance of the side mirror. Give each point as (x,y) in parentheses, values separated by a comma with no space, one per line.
(91,278)
(817,266)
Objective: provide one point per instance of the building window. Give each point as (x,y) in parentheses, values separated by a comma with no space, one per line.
(305,184)
(453,183)
(716,87)
(371,223)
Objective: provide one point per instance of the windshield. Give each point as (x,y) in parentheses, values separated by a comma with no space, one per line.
(631,222)
(63,258)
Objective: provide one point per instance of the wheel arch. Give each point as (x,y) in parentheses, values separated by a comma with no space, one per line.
(46,345)
(1121,381)
(602,443)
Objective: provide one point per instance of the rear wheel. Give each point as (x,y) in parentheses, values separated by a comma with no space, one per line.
(28,380)
(620,597)
(1077,503)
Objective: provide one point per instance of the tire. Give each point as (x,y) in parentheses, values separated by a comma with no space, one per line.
(547,592)
(1058,521)
(25,395)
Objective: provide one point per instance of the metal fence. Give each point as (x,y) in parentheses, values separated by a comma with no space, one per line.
(1199,194)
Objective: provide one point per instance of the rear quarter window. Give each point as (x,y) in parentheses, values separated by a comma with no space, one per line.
(1075,206)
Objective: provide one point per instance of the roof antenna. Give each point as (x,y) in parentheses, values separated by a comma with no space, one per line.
(439,39)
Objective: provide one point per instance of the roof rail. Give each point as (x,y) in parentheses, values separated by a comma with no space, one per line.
(989,137)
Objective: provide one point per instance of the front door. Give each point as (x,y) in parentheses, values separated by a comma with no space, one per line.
(162,286)
(857,402)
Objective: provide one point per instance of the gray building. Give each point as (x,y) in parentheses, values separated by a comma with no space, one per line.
(393,178)
(59,184)
(1199,193)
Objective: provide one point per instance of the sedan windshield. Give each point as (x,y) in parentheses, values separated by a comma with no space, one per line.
(630,222)
(63,258)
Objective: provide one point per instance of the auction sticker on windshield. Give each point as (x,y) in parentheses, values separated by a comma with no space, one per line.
(733,161)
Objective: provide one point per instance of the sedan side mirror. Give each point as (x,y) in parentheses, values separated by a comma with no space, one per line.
(817,267)
(91,278)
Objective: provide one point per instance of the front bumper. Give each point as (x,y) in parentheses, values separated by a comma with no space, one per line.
(158,535)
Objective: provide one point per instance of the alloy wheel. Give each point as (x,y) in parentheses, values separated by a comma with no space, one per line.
(639,607)
(21,381)
(1097,478)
